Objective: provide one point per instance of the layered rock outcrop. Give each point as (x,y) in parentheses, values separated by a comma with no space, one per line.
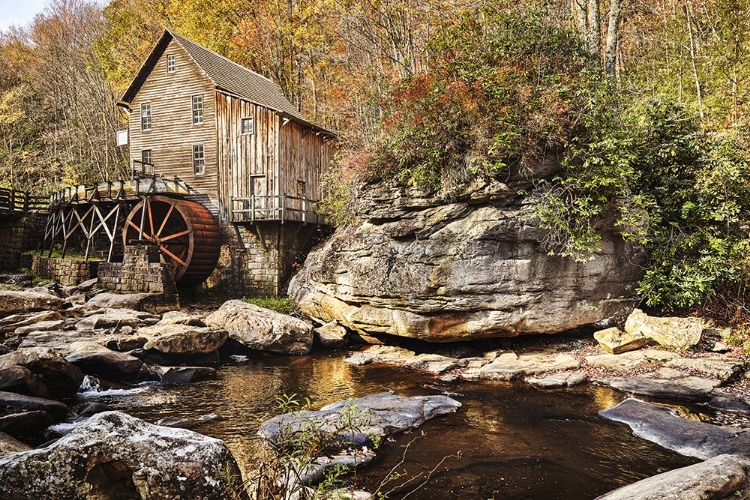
(470,266)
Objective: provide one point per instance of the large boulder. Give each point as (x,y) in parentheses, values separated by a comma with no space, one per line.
(724,476)
(95,359)
(14,301)
(460,266)
(60,377)
(183,339)
(114,455)
(262,329)
(357,421)
(680,333)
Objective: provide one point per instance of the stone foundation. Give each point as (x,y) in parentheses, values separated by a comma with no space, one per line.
(19,235)
(140,272)
(67,272)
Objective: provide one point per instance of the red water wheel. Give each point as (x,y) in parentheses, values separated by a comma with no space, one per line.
(184,231)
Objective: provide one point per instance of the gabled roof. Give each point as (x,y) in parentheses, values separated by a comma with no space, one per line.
(225,74)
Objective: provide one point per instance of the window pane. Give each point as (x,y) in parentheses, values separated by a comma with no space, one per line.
(146,116)
(170,63)
(247,126)
(146,156)
(199,160)
(197,109)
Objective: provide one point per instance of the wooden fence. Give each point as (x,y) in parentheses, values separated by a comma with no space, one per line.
(14,202)
(275,208)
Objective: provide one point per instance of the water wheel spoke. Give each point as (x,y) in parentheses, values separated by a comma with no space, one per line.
(135,226)
(166,218)
(175,235)
(150,215)
(175,258)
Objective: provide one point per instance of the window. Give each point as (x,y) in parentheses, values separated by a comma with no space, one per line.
(199,160)
(197,109)
(145,116)
(146,157)
(170,63)
(248,127)
(301,189)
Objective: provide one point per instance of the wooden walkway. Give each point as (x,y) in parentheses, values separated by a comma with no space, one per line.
(19,203)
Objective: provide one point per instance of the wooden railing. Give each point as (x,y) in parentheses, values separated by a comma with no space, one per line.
(14,202)
(275,208)
(119,190)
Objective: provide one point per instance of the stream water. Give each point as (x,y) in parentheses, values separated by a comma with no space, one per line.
(515,441)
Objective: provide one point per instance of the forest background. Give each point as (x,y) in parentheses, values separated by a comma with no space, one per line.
(643,103)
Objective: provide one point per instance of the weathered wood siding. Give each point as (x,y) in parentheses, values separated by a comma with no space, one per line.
(271,160)
(172,133)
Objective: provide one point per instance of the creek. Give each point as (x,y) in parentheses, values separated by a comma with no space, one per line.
(515,441)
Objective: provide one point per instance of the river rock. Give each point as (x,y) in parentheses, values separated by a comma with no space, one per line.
(114,455)
(560,379)
(15,301)
(108,318)
(10,323)
(183,374)
(668,383)
(26,423)
(332,335)
(107,300)
(22,381)
(687,437)
(60,377)
(432,363)
(95,359)
(722,368)
(680,333)
(188,423)
(629,361)
(42,326)
(466,265)
(183,339)
(511,366)
(380,414)
(9,444)
(22,402)
(181,318)
(391,355)
(262,329)
(721,477)
(615,341)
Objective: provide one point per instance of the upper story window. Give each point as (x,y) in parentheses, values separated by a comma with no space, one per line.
(197,109)
(170,63)
(145,116)
(248,126)
(199,160)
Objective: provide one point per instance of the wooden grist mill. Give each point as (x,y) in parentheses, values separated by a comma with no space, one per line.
(226,176)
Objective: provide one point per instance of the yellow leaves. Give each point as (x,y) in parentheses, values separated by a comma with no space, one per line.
(11,109)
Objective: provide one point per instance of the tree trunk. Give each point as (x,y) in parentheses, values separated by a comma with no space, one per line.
(594,34)
(610,52)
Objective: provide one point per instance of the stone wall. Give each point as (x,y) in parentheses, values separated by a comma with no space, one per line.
(140,272)
(19,235)
(67,272)
(257,260)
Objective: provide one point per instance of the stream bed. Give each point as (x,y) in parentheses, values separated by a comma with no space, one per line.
(514,441)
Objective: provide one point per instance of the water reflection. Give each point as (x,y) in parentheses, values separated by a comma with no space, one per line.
(516,442)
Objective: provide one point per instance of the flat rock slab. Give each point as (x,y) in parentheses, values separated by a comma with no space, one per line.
(23,402)
(668,383)
(628,361)
(432,363)
(10,323)
(181,318)
(380,414)
(13,302)
(262,329)
(183,339)
(687,437)
(557,380)
(511,366)
(183,374)
(680,333)
(106,300)
(39,327)
(95,359)
(719,368)
(114,455)
(109,318)
(381,354)
(615,341)
(721,477)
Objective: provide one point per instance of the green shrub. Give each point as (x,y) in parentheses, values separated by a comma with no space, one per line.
(279,304)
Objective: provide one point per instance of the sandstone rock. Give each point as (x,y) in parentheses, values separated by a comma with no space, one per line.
(376,415)
(106,300)
(721,477)
(681,333)
(60,377)
(94,359)
(511,366)
(432,363)
(262,329)
(332,335)
(181,318)
(183,374)
(687,437)
(59,340)
(615,341)
(108,318)
(9,444)
(668,383)
(182,339)
(14,301)
(469,267)
(628,361)
(22,402)
(381,354)
(561,379)
(39,327)
(114,455)
(722,368)
(10,323)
